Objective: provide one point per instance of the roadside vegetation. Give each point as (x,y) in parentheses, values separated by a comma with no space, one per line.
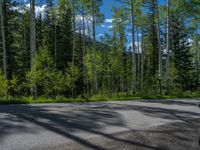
(96,98)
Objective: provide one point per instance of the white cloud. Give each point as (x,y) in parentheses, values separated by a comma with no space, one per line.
(130,34)
(79,24)
(100,35)
(79,18)
(136,47)
(190,41)
(105,26)
(102,25)
(129,45)
(41,10)
(110,27)
(108,20)
(38,9)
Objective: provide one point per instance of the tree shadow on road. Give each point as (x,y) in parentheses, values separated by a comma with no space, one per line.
(158,112)
(67,122)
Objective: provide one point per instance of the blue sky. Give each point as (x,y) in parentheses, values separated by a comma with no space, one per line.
(107,11)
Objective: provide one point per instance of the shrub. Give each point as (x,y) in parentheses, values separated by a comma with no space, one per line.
(48,80)
(3,86)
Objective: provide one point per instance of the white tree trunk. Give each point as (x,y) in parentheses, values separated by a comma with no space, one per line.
(55,41)
(159,50)
(142,63)
(133,84)
(167,57)
(138,53)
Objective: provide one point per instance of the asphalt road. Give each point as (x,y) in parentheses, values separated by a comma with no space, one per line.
(150,124)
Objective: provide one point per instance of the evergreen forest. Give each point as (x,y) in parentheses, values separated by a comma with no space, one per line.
(57,53)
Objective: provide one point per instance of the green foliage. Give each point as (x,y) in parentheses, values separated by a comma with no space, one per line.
(12,87)
(3,86)
(89,63)
(63,36)
(72,74)
(55,76)
(182,52)
(97,97)
(17,87)
(93,7)
(42,67)
(46,77)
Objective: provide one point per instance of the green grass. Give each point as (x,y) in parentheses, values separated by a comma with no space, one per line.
(39,100)
(96,98)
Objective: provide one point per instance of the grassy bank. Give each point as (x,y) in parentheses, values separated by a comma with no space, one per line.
(96,98)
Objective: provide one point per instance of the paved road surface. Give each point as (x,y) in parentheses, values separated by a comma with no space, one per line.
(150,124)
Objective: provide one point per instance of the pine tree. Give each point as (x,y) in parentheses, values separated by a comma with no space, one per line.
(4,36)
(153,38)
(119,26)
(32,40)
(64,34)
(49,27)
(181,49)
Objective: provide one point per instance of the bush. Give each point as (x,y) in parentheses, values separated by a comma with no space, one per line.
(99,97)
(18,87)
(44,75)
(48,80)
(3,86)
